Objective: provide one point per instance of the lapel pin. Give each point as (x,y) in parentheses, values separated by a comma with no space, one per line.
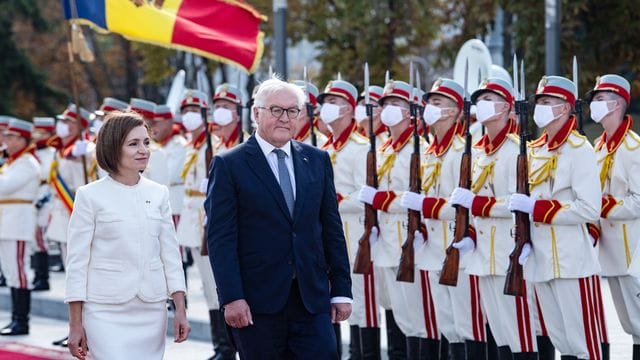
(305,159)
(148,201)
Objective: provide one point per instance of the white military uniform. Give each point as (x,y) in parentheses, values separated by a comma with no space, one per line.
(304,136)
(71,171)
(176,151)
(619,162)
(45,157)
(348,153)
(406,299)
(19,182)
(458,308)
(123,264)
(563,180)
(512,319)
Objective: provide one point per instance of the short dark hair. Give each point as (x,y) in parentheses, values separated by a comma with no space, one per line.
(111,137)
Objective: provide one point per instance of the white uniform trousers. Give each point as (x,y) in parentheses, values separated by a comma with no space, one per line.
(596,289)
(570,316)
(458,308)
(623,291)
(365,311)
(206,275)
(409,302)
(16,262)
(382,288)
(135,330)
(511,318)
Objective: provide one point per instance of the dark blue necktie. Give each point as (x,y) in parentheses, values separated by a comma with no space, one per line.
(285,180)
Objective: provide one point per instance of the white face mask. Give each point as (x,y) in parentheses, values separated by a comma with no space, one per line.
(485,110)
(432,114)
(600,109)
(222,116)
(330,113)
(361,113)
(62,129)
(192,120)
(543,114)
(391,115)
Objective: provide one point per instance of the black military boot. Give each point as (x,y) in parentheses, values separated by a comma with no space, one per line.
(444,347)
(40,265)
(64,342)
(457,351)
(606,353)
(413,348)
(504,353)
(568,357)
(396,341)
(13,311)
(492,347)
(222,346)
(429,349)
(476,350)
(525,356)
(3,280)
(636,352)
(546,350)
(338,332)
(355,348)
(20,316)
(370,343)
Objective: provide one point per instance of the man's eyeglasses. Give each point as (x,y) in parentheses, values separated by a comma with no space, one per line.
(277,111)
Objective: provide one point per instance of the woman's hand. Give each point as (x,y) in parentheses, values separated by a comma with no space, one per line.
(77,341)
(181,328)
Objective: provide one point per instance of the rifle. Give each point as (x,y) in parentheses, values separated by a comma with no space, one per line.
(309,108)
(362,263)
(208,156)
(513,284)
(449,273)
(406,269)
(239,111)
(579,102)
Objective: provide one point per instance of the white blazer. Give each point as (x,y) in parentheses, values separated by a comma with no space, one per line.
(122,244)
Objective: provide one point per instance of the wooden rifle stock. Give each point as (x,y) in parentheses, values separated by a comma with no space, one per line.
(314,139)
(208,156)
(362,263)
(406,269)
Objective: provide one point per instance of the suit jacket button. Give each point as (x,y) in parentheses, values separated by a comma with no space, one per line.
(290,262)
(293,234)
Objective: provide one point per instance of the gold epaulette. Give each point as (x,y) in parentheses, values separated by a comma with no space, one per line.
(632,140)
(458,143)
(576,139)
(359,139)
(515,138)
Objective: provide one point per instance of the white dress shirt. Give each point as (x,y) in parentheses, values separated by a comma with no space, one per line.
(272,159)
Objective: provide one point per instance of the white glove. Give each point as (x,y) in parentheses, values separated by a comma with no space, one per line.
(464,246)
(463,197)
(80,148)
(411,200)
(374,236)
(204,185)
(524,254)
(418,240)
(521,202)
(366,194)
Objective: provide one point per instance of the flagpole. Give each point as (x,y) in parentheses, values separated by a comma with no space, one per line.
(280,36)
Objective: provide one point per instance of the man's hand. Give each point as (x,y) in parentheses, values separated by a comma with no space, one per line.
(463,197)
(80,148)
(411,200)
(340,312)
(237,314)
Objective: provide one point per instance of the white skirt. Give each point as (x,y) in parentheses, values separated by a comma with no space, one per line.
(134,330)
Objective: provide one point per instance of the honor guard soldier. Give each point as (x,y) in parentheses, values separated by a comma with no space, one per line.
(565,196)
(69,171)
(227,124)
(458,308)
(167,136)
(303,123)
(380,130)
(348,153)
(192,218)
(109,104)
(43,130)
(19,183)
(619,161)
(493,181)
(157,169)
(4,124)
(407,301)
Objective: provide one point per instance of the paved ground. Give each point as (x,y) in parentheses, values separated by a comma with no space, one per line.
(50,315)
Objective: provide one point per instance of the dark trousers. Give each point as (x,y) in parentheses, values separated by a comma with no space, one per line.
(292,333)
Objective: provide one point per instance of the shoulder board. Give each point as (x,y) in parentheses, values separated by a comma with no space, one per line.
(358,139)
(632,140)
(537,142)
(514,138)
(576,140)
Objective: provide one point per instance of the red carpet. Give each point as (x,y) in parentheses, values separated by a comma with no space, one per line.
(18,351)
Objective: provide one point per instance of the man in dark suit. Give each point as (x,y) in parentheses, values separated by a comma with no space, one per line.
(275,237)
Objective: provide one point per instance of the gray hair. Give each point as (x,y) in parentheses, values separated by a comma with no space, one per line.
(274,85)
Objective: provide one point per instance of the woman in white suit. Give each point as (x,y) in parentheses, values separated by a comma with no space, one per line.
(123,260)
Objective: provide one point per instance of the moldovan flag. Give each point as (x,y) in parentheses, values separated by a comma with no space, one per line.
(223,30)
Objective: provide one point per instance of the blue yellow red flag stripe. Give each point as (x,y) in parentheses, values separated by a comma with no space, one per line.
(62,190)
(223,30)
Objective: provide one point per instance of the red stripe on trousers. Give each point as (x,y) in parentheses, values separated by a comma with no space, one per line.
(543,327)
(593,325)
(22,276)
(599,306)
(374,306)
(586,321)
(527,317)
(367,309)
(176,220)
(42,246)
(476,311)
(432,308)
(520,320)
(425,304)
